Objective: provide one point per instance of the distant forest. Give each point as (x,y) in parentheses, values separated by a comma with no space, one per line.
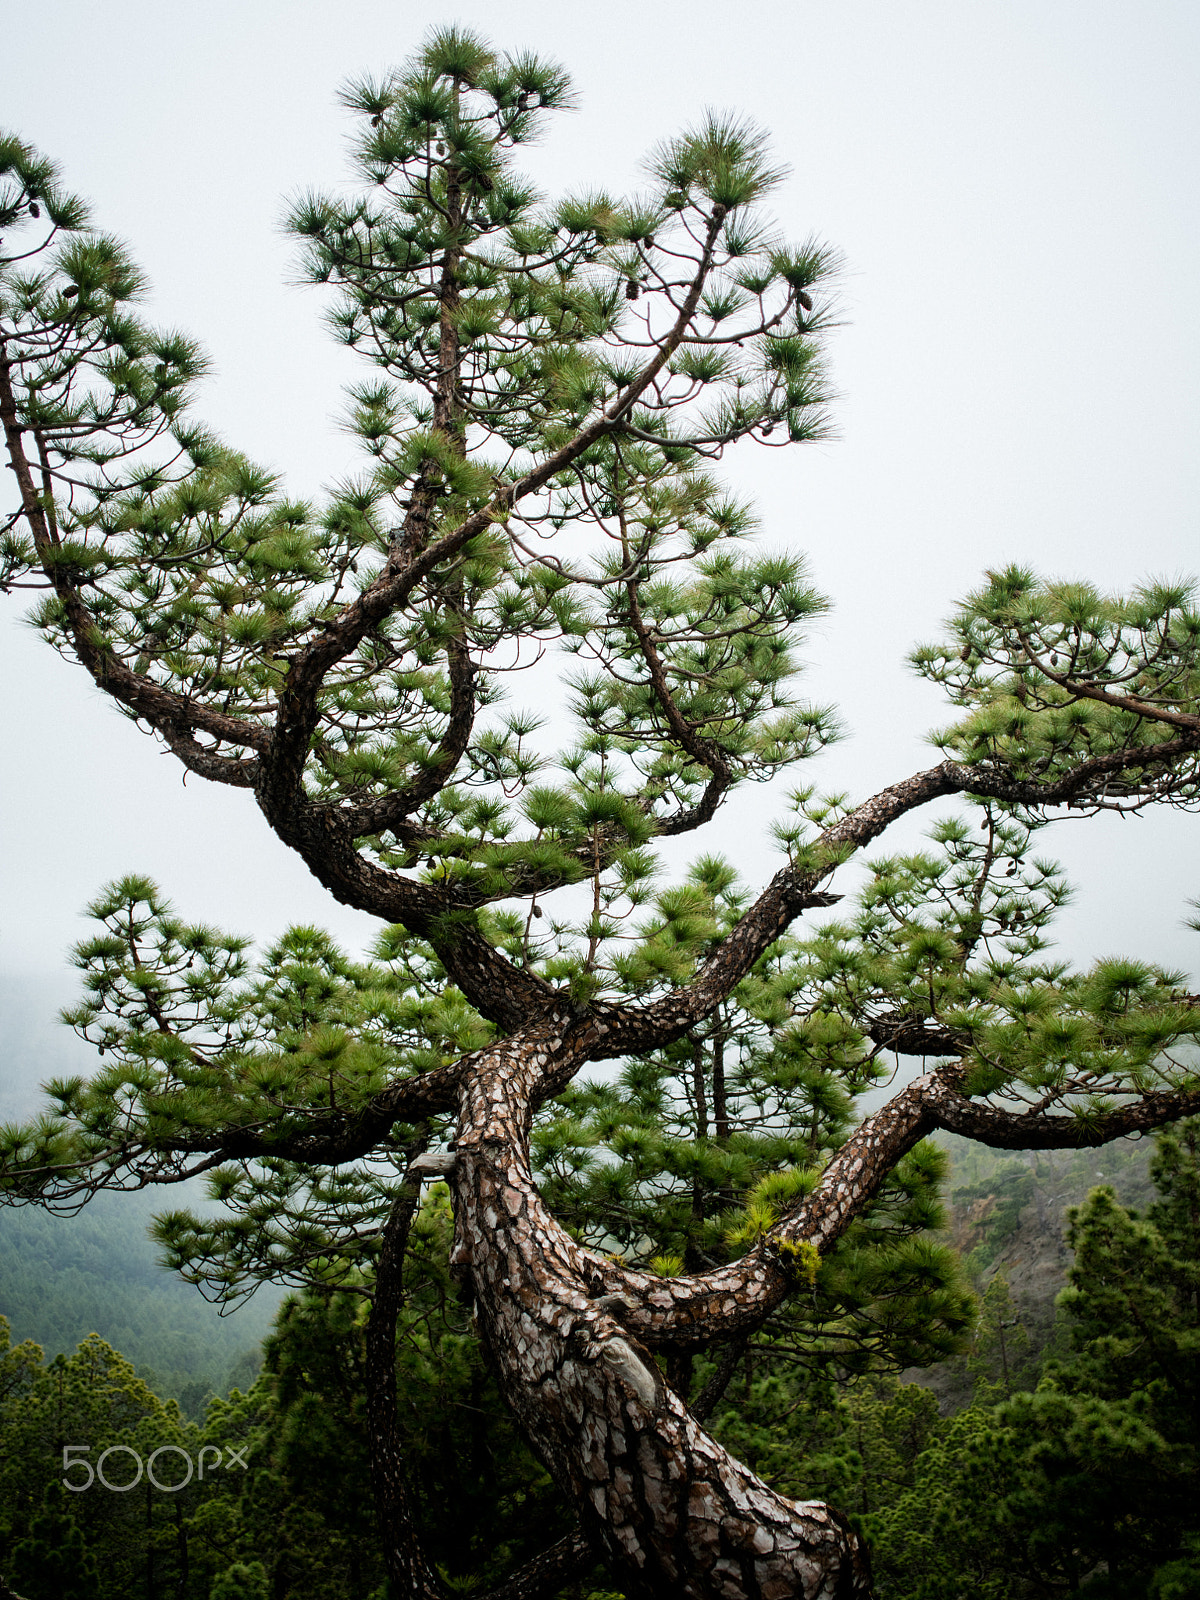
(62,1278)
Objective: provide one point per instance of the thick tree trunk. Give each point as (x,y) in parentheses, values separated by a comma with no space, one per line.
(674,1511)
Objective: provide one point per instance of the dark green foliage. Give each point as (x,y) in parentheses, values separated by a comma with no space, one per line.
(1134,1300)
(300,1519)
(244,1580)
(855,1445)
(52,1561)
(299,1508)
(89,1399)
(486,1502)
(1092,1480)
(311,1457)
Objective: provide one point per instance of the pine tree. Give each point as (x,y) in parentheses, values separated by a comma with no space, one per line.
(999,1358)
(551,386)
(52,1561)
(93,1406)
(244,1580)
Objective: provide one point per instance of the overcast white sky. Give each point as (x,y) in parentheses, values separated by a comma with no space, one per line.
(1013,187)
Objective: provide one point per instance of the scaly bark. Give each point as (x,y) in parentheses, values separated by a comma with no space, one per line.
(672,1510)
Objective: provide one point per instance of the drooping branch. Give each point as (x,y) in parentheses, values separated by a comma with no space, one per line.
(176,717)
(319,1138)
(1016,1130)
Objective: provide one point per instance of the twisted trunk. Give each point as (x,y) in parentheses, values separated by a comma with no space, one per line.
(674,1512)
(570,1331)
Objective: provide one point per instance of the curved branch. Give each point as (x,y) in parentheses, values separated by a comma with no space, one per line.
(501,991)
(328,1138)
(702,750)
(237,772)
(1016,1130)
(1090,781)
(791,891)
(795,889)
(735,1299)
(386,811)
(511,995)
(1082,689)
(738,1297)
(913,1036)
(696,816)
